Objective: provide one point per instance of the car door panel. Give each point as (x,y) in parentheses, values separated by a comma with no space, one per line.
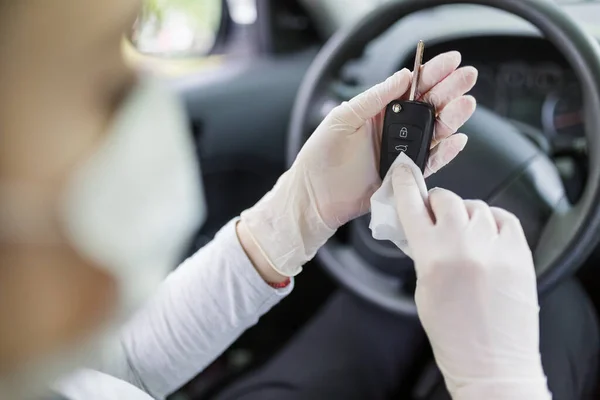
(240,116)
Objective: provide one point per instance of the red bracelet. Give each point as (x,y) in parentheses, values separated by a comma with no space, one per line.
(281,285)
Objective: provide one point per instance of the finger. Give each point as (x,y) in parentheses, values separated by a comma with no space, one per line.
(443,153)
(457,84)
(436,70)
(507,222)
(356,112)
(448,208)
(481,216)
(412,208)
(452,117)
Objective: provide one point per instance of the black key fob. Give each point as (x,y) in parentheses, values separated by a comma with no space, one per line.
(408,125)
(407,128)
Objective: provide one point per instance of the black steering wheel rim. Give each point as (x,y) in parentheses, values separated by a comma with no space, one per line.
(571,235)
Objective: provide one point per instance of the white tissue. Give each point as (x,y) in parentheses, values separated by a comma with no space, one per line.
(385,224)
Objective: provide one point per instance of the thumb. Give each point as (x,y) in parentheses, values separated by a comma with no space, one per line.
(370,103)
(411,203)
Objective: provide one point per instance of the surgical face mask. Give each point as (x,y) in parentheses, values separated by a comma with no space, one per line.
(131,208)
(135,204)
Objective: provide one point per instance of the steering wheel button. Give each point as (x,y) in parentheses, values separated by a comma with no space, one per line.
(405,132)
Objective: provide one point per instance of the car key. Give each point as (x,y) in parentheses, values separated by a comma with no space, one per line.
(408,125)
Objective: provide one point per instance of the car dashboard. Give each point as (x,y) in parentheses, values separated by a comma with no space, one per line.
(523,77)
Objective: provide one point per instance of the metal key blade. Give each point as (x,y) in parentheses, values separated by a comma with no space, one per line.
(417,70)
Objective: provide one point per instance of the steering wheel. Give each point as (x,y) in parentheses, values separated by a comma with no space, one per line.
(499,165)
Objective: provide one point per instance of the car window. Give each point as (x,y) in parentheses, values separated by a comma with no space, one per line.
(172,28)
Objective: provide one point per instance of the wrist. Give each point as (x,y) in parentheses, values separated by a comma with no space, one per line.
(523,379)
(286,226)
(530,389)
(257,257)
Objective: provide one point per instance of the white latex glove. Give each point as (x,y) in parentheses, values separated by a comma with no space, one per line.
(476,292)
(336,172)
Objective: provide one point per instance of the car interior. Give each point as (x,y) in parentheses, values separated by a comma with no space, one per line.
(276,68)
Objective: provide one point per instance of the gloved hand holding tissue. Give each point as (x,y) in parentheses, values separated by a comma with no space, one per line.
(385,224)
(476,291)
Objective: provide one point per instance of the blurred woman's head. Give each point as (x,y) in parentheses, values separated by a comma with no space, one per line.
(100,186)
(62,77)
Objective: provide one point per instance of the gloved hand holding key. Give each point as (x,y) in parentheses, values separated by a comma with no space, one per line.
(337,171)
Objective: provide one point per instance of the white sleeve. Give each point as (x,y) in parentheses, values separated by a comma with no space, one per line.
(199,311)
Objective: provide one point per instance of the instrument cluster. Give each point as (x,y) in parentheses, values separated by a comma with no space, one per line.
(545,95)
(524,79)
